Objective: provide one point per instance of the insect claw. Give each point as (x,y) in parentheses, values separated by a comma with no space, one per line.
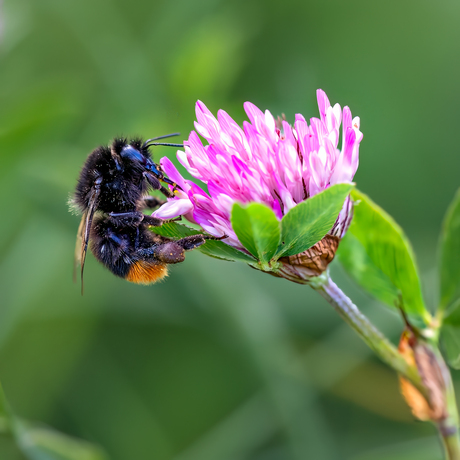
(176,219)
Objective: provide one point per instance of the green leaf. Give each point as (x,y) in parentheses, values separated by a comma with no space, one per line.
(450,335)
(377,254)
(258,229)
(308,222)
(354,258)
(450,338)
(174,230)
(211,248)
(449,256)
(42,443)
(220,250)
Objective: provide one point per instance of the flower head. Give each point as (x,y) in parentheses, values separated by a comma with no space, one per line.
(266,161)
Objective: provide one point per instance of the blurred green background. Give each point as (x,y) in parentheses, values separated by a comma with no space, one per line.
(219,362)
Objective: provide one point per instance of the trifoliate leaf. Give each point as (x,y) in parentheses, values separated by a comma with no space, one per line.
(449,257)
(258,229)
(449,282)
(174,230)
(450,339)
(220,250)
(354,258)
(377,254)
(308,222)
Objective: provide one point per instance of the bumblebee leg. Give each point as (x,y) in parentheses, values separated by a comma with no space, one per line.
(126,219)
(157,222)
(194,241)
(152,202)
(169,253)
(134,219)
(173,252)
(153,221)
(157,185)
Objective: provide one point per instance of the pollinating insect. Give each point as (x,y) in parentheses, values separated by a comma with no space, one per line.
(111,194)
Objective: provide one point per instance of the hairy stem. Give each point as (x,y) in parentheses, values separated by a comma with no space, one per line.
(350,313)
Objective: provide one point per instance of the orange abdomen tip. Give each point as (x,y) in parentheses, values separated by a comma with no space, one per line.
(143,272)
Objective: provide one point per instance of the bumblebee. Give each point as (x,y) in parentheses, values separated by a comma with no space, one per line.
(111,195)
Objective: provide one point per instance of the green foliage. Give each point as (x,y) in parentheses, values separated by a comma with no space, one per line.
(355,259)
(223,251)
(258,230)
(42,443)
(449,260)
(449,282)
(267,239)
(377,254)
(309,221)
(174,230)
(450,337)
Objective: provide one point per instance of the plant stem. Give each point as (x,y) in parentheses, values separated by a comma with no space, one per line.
(388,353)
(450,441)
(448,426)
(349,312)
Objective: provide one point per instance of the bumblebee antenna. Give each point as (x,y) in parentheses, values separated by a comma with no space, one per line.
(163,143)
(159,137)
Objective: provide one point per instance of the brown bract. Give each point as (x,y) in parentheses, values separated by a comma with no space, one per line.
(300,268)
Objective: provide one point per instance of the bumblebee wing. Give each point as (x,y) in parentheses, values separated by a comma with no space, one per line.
(78,246)
(83,234)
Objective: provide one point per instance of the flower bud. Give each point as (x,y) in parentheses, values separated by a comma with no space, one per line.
(435,378)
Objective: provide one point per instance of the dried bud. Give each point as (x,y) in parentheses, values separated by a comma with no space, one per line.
(432,371)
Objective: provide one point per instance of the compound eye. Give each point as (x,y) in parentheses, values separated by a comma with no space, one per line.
(130,153)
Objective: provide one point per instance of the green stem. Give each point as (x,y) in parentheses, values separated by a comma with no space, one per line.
(349,312)
(448,426)
(388,353)
(450,440)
